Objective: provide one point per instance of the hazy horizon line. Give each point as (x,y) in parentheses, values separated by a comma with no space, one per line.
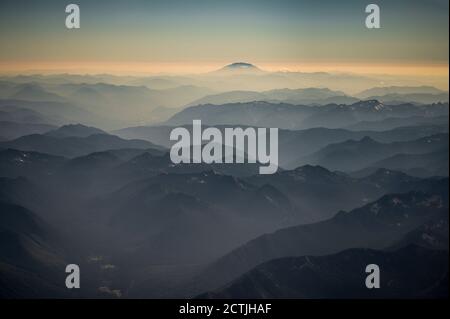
(183,68)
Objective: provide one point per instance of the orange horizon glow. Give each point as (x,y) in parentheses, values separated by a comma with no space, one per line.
(432,74)
(151,68)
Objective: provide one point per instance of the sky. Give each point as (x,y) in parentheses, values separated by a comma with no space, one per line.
(200,35)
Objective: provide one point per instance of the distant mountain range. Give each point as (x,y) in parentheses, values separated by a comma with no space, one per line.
(294,146)
(309,96)
(86,178)
(118,103)
(394,122)
(405,94)
(355,155)
(113,102)
(288,116)
(55,113)
(235,76)
(323,96)
(104,169)
(416,98)
(147,206)
(56,143)
(381,91)
(74,130)
(306,186)
(144,181)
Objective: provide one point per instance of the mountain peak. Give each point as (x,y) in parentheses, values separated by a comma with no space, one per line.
(240,65)
(76,130)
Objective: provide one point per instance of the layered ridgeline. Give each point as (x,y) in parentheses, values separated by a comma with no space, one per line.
(112,165)
(130,202)
(308,96)
(172,209)
(105,194)
(101,104)
(112,101)
(323,96)
(361,152)
(345,150)
(410,272)
(399,94)
(391,220)
(289,116)
(415,266)
(72,141)
(354,155)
